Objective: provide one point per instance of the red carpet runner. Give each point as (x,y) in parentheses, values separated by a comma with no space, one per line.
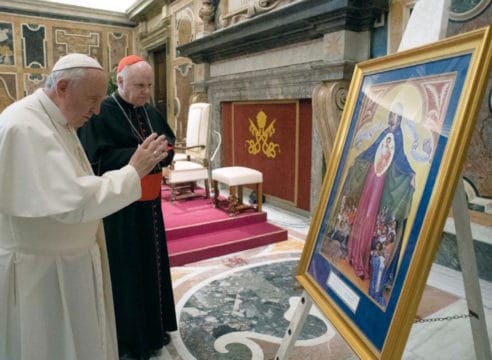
(197,231)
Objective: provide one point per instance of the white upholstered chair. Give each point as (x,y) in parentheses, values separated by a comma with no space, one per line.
(191,161)
(197,135)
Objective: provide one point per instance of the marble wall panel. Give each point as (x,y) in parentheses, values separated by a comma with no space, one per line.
(467,16)
(183,75)
(33,82)
(118,46)
(8,89)
(31,44)
(7,44)
(185,26)
(34,46)
(184,30)
(69,40)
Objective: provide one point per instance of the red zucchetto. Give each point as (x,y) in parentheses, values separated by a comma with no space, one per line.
(128,60)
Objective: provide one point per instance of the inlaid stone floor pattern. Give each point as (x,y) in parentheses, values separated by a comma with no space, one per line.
(238,307)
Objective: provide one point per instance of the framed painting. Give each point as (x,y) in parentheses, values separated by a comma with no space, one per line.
(389,185)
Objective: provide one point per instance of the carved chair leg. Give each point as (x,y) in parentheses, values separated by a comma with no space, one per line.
(259,196)
(240,194)
(233,201)
(173,193)
(215,185)
(207,189)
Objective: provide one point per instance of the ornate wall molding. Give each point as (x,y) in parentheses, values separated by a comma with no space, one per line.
(294,23)
(467,10)
(328,101)
(261,6)
(207,14)
(155,37)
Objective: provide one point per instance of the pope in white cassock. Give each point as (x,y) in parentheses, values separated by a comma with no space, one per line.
(55,291)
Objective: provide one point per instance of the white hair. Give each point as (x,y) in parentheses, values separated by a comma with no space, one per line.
(74,74)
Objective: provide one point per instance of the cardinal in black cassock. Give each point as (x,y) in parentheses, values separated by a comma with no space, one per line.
(136,241)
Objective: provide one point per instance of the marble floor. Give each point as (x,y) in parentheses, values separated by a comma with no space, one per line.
(239,306)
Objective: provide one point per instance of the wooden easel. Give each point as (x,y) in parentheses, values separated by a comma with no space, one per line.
(468,261)
(466,254)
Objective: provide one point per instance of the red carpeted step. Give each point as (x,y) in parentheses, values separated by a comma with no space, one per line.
(213,224)
(192,211)
(217,243)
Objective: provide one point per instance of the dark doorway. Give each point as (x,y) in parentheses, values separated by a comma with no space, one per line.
(160,80)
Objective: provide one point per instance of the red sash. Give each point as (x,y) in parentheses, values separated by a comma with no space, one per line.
(151,186)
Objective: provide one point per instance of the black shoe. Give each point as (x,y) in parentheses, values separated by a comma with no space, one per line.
(126,356)
(166,338)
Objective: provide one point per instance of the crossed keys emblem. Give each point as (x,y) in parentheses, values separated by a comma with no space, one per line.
(261,136)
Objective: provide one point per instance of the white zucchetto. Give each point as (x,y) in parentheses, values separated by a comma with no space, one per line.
(72,61)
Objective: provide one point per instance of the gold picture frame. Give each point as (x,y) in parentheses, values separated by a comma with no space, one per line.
(396,161)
